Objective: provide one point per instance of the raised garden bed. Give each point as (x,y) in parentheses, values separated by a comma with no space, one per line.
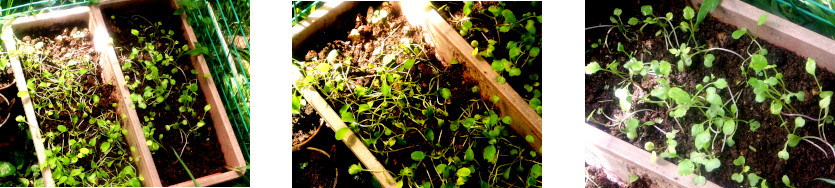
(171,94)
(763,131)
(70,101)
(442,107)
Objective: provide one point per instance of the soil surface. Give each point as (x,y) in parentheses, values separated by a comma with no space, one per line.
(200,150)
(365,47)
(305,125)
(759,147)
(313,169)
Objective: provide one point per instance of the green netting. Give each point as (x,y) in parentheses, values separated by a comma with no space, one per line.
(11,8)
(816,15)
(223,27)
(303,8)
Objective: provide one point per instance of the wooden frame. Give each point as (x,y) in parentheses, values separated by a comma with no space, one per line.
(777,31)
(226,137)
(83,14)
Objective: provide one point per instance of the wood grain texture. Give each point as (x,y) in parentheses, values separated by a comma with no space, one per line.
(621,159)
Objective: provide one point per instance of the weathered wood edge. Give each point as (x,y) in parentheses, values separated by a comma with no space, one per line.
(777,31)
(620,158)
(351,140)
(136,136)
(225,135)
(451,46)
(321,18)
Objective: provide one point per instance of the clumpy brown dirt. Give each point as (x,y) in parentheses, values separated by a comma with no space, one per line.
(200,150)
(365,47)
(759,147)
(305,126)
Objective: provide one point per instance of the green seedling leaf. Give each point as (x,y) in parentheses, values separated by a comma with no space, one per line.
(591,68)
(712,164)
(354,169)
(445,93)
(534,52)
(22,93)
(323,67)
(685,167)
(341,133)
(679,95)
(105,146)
(703,140)
(508,16)
(688,13)
(490,153)
(649,146)
(738,177)
(709,60)
(532,28)
(720,83)
(507,120)
(761,20)
(418,155)
(754,125)
(646,10)
(799,122)
(825,99)
(501,79)
(729,127)
(496,98)
(783,154)
(529,138)
(463,172)
(469,155)
(738,33)
(62,128)
(758,62)
(776,107)
(498,66)
(739,161)
(6,169)
(786,180)
(408,64)
(617,12)
(793,140)
(811,65)
(632,21)
(134,32)
(753,179)
(699,180)
(514,72)
(632,178)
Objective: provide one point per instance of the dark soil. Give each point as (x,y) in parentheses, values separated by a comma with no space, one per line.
(386,37)
(806,162)
(305,126)
(319,169)
(482,20)
(16,144)
(202,153)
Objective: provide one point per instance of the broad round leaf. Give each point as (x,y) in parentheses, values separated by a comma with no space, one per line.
(758,62)
(799,122)
(739,161)
(699,180)
(703,140)
(490,153)
(811,65)
(688,13)
(468,155)
(341,133)
(729,127)
(783,155)
(418,155)
(463,172)
(761,20)
(685,167)
(649,146)
(786,180)
(679,95)
(737,177)
(793,140)
(712,164)
(709,60)
(6,169)
(445,93)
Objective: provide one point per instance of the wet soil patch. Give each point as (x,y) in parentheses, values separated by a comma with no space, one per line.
(759,147)
(200,150)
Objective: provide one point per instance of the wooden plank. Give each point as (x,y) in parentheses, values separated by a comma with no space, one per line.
(321,18)
(450,45)
(226,137)
(31,119)
(135,136)
(351,140)
(777,31)
(620,158)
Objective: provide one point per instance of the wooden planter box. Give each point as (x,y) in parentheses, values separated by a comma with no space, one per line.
(450,45)
(134,137)
(225,135)
(619,158)
(443,37)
